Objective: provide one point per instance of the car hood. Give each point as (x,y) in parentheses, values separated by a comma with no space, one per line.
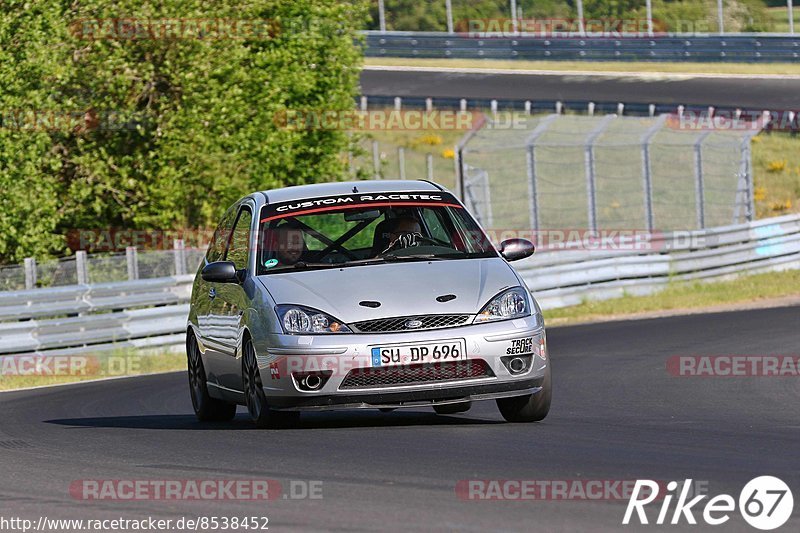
(402,289)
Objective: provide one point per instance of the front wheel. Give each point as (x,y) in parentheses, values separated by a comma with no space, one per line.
(206,408)
(528,408)
(255,398)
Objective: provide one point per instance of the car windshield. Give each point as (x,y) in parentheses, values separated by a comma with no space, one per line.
(366,229)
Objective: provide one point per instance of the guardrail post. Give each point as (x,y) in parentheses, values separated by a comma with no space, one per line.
(590,109)
(620,109)
(429,104)
(80,267)
(462,104)
(398,103)
(527,107)
(559,107)
(132,258)
(493,105)
(652,109)
(179,251)
(364,104)
(30,273)
(429,165)
(401,161)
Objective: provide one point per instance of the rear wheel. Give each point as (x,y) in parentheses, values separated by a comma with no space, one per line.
(206,408)
(528,408)
(452,408)
(255,398)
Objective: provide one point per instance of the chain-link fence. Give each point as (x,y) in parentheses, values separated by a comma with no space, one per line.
(610,172)
(83,268)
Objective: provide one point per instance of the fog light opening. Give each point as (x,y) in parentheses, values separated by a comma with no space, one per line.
(517,365)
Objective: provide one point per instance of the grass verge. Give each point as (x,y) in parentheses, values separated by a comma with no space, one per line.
(24,372)
(638,67)
(680,296)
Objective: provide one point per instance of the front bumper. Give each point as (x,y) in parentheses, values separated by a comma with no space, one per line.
(283,359)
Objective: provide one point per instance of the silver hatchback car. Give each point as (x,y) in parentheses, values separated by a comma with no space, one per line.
(368,294)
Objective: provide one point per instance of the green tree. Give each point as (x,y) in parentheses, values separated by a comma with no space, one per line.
(176,128)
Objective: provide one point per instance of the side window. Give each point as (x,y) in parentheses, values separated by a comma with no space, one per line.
(239,249)
(217,247)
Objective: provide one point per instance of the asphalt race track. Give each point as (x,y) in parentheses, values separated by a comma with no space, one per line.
(617,415)
(747,93)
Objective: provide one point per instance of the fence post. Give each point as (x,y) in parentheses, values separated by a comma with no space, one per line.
(382,16)
(581,27)
(80,267)
(376,160)
(132,257)
(700,189)
(459,168)
(401,160)
(30,273)
(530,146)
(649,12)
(591,185)
(180,257)
(647,171)
(429,165)
(448,4)
(514,17)
(719,18)
(790,6)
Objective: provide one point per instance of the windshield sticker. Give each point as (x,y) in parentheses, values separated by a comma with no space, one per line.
(271,263)
(357,201)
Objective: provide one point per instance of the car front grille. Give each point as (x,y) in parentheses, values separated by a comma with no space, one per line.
(422,323)
(370,378)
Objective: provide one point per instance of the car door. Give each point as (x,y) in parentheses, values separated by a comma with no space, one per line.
(205,294)
(231,301)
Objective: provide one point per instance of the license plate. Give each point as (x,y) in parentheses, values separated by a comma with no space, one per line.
(418,353)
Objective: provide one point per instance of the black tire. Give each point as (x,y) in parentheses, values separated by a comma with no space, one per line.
(256,400)
(206,408)
(386,409)
(528,408)
(452,408)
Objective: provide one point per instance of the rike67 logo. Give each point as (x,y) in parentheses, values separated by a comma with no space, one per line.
(765,503)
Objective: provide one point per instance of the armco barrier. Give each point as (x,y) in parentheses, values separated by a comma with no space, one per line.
(732,47)
(152,313)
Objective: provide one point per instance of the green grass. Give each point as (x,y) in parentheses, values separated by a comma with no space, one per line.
(776,167)
(101,365)
(684,296)
(598,66)
(779,19)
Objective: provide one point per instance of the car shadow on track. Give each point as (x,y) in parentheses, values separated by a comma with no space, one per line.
(343,419)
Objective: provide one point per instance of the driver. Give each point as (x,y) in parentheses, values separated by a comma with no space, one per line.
(403,232)
(289,244)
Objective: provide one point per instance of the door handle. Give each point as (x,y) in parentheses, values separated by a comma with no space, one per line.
(212,293)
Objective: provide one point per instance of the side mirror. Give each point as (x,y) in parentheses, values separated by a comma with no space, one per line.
(220,272)
(515,249)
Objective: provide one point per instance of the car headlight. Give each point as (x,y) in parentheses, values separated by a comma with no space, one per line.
(513,303)
(305,320)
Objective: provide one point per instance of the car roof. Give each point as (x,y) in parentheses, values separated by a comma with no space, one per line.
(301,192)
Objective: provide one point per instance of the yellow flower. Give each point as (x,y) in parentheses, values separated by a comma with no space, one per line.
(756,139)
(429,139)
(449,153)
(776,166)
(759,194)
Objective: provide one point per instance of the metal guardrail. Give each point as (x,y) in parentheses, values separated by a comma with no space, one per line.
(152,313)
(563,278)
(731,47)
(102,317)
